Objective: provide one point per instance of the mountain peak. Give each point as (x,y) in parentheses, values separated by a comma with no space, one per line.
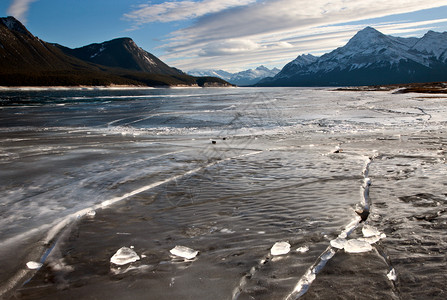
(122,53)
(367,33)
(14,25)
(304,59)
(367,39)
(262,68)
(432,43)
(370,58)
(370,29)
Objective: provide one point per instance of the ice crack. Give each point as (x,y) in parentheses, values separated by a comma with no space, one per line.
(340,242)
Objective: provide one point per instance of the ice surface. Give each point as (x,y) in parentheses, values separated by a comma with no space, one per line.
(184,252)
(357,246)
(32,265)
(392,275)
(124,256)
(280,248)
(93,168)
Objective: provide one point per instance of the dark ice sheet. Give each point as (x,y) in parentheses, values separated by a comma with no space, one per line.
(272,175)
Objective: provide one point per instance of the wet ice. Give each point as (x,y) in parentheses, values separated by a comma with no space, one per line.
(149,160)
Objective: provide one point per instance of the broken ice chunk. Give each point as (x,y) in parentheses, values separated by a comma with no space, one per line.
(357,246)
(303,249)
(32,265)
(124,256)
(338,243)
(373,239)
(184,252)
(392,275)
(280,248)
(367,181)
(369,231)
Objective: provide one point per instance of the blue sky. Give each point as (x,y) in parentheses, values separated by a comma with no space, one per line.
(225,34)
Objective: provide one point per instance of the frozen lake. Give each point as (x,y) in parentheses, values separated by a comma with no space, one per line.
(350,187)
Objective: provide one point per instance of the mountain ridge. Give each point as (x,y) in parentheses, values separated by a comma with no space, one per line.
(370,58)
(243,78)
(121,53)
(28,61)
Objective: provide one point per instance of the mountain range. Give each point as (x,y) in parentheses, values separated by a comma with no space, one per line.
(243,78)
(370,58)
(26,60)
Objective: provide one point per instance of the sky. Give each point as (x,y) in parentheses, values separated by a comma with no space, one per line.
(232,35)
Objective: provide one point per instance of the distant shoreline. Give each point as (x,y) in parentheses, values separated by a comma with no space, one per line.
(102,87)
(423,88)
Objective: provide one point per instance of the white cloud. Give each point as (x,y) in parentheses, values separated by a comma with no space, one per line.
(267,28)
(272,16)
(282,45)
(19,9)
(228,47)
(180,10)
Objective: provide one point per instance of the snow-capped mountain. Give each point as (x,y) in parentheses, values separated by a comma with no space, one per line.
(243,78)
(370,58)
(26,60)
(433,44)
(213,73)
(121,53)
(252,76)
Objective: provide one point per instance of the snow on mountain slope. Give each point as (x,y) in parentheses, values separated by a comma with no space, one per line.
(366,48)
(252,76)
(122,53)
(247,77)
(370,57)
(213,73)
(432,44)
